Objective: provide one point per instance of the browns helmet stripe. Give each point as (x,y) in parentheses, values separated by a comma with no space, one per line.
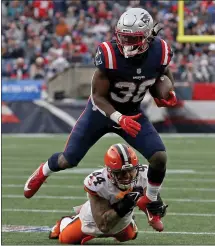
(127,153)
(123,152)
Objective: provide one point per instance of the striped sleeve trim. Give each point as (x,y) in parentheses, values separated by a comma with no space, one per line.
(109,54)
(166,53)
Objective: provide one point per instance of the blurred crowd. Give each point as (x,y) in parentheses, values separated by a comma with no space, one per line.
(42,38)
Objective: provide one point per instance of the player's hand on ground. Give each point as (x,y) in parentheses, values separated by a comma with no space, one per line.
(157,208)
(129,124)
(170,102)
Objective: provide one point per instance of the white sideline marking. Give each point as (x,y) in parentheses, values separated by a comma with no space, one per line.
(20,228)
(82,187)
(85,198)
(59,113)
(70,211)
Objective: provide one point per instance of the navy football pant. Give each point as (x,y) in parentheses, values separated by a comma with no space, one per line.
(92,125)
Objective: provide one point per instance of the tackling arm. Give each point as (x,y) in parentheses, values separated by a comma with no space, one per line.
(105,217)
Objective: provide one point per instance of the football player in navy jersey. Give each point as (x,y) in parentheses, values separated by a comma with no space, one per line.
(125,69)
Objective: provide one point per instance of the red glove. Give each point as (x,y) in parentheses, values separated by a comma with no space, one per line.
(170,102)
(129,124)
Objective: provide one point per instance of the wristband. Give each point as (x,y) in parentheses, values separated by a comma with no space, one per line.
(115,116)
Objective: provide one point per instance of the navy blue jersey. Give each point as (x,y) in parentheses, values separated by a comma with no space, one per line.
(131,77)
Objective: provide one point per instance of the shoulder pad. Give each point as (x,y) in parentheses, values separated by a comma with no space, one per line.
(94,183)
(105,57)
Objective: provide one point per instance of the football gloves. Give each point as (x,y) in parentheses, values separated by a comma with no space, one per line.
(157,208)
(129,124)
(170,102)
(128,203)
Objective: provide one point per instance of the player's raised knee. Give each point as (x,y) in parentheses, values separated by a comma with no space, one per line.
(158,160)
(65,162)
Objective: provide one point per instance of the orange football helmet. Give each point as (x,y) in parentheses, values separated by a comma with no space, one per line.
(122,165)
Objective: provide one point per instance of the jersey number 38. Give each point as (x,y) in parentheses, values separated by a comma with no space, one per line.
(131,92)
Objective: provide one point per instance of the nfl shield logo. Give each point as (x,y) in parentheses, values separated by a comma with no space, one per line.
(138,70)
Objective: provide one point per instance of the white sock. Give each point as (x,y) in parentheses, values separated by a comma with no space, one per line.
(152,191)
(46,170)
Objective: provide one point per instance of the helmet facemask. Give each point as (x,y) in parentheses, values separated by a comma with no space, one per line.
(131,44)
(124,178)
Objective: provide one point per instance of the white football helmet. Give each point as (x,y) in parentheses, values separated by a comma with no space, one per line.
(133,31)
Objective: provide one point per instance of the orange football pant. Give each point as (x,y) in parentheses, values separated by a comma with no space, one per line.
(72,233)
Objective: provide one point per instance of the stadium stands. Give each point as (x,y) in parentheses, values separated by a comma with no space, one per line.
(41,38)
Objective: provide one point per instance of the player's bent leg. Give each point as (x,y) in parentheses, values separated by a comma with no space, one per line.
(70,231)
(150,145)
(129,233)
(90,127)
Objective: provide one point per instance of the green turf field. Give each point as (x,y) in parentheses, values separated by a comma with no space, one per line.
(189,189)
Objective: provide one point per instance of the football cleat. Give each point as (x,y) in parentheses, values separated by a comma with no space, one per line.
(55,231)
(154,221)
(34,182)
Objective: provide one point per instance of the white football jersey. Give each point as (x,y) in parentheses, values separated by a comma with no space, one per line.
(98,183)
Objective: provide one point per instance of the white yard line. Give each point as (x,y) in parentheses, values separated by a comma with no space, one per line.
(85,198)
(82,187)
(22,228)
(90,170)
(70,211)
(62,177)
(178,232)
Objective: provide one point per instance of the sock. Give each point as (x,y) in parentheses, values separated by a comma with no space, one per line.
(53,163)
(155,179)
(46,170)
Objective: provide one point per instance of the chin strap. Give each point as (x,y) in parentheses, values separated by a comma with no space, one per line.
(156,29)
(127,49)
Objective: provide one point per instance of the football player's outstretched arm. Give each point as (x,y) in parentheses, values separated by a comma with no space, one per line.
(100,88)
(105,217)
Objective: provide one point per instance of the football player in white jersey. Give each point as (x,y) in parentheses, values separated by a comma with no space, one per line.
(113,192)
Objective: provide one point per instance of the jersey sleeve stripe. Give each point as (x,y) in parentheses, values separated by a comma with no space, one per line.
(163,49)
(164,59)
(110,57)
(169,54)
(105,55)
(113,55)
(93,193)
